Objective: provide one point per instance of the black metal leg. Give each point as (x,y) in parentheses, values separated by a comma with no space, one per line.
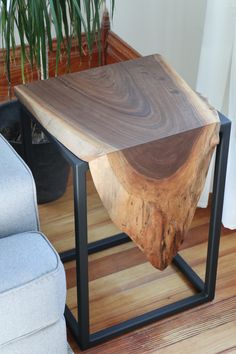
(81,246)
(216,209)
(205,291)
(26,138)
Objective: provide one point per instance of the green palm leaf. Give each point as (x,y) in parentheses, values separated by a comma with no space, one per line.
(35,20)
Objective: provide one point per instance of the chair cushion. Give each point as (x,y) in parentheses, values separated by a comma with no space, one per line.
(32,286)
(18,206)
(50,340)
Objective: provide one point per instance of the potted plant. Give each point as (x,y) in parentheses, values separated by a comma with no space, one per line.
(35,23)
(49,168)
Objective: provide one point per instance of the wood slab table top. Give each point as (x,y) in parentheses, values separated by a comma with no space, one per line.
(148,139)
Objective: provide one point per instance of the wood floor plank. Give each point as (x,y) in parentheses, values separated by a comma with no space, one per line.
(206,342)
(123,284)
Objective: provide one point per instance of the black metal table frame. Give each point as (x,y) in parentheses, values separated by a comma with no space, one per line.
(205,291)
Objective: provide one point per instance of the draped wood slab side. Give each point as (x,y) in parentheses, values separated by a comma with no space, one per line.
(148,139)
(147,198)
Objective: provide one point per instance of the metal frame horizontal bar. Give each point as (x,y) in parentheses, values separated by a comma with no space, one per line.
(97,246)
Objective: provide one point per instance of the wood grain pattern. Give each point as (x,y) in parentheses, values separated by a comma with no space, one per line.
(148,139)
(125,273)
(116,107)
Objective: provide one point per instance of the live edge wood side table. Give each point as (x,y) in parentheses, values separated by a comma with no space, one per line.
(147,139)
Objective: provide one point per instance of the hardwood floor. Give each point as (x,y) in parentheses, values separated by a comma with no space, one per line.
(123,284)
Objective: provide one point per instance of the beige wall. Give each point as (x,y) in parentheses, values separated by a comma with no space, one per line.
(172,28)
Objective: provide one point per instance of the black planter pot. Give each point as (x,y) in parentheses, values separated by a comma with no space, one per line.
(50,169)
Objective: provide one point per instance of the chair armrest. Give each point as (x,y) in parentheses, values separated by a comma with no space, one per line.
(18,206)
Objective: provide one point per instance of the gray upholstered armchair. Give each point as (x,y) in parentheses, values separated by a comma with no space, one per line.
(32,277)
